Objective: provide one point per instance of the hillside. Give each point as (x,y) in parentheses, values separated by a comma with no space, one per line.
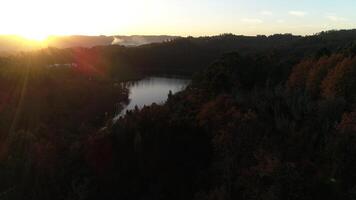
(12,44)
(186,56)
(232,135)
(263,118)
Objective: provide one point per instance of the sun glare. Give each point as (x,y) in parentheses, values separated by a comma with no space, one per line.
(36,37)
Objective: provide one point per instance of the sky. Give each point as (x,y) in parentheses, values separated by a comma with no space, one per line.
(40,18)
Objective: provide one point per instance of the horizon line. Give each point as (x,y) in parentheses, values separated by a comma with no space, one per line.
(177,35)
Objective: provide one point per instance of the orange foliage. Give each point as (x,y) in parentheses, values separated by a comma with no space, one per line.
(341,81)
(319,71)
(348,123)
(299,74)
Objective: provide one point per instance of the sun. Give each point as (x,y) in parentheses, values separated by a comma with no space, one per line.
(36,37)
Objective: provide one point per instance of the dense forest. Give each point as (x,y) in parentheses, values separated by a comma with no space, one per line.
(263,118)
(187,56)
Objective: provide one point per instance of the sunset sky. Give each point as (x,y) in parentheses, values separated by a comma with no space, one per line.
(40,18)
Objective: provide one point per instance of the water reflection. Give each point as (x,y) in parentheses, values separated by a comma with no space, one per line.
(152,90)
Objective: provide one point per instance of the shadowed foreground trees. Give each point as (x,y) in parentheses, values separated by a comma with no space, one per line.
(45,114)
(260,125)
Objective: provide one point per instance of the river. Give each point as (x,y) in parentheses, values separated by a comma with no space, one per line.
(152,90)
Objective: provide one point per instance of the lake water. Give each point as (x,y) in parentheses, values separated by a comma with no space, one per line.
(152,90)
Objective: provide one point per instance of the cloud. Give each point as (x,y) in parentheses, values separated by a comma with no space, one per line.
(297,13)
(336,18)
(252,21)
(266,13)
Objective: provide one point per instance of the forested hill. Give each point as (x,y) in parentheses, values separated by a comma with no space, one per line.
(232,135)
(269,121)
(187,56)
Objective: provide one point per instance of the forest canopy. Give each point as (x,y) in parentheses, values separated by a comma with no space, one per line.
(266,117)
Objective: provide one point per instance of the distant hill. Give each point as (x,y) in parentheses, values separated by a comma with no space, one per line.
(189,55)
(11,43)
(90,41)
(126,57)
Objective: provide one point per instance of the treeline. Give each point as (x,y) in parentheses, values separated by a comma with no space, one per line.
(186,56)
(234,135)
